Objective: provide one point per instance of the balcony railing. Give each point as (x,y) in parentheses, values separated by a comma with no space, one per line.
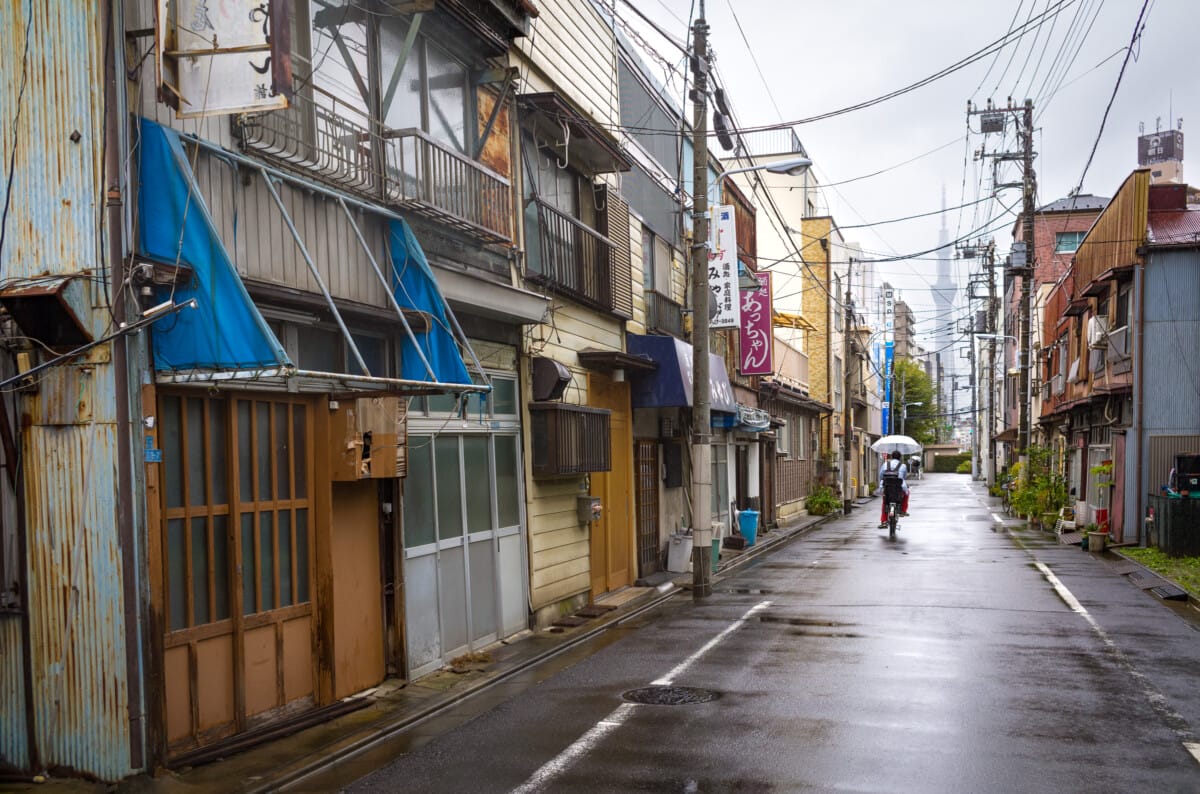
(663,314)
(321,134)
(573,259)
(406,169)
(425,177)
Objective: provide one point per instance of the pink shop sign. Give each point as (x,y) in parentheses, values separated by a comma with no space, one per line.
(756,335)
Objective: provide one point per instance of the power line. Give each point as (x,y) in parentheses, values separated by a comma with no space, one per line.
(1138,27)
(1033,23)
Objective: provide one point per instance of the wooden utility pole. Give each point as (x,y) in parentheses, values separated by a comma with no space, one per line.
(1029,188)
(701,295)
(994,119)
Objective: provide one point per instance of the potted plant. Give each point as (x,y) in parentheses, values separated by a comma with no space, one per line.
(1103,473)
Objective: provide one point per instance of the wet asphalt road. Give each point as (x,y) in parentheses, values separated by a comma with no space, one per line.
(967,655)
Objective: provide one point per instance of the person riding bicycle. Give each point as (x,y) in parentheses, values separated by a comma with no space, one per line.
(893,482)
(914,466)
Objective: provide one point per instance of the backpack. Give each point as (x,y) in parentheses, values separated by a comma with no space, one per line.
(892,484)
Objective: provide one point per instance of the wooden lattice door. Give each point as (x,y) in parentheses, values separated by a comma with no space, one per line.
(646,468)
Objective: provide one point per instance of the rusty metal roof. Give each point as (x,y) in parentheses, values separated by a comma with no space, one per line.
(1174,227)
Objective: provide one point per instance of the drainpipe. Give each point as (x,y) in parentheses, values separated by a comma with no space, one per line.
(1139,288)
(115,145)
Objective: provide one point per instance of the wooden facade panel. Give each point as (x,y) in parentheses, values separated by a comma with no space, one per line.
(357,602)
(575,49)
(176,684)
(562,580)
(560,567)
(270,253)
(561,538)
(576,328)
(297,659)
(214,673)
(260,670)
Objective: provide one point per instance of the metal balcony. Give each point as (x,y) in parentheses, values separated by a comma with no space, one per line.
(425,177)
(404,169)
(574,259)
(663,315)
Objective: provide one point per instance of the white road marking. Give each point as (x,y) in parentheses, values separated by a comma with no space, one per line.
(584,744)
(1193,748)
(1157,700)
(682,667)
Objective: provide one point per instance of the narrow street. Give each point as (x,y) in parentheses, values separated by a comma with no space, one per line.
(967,655)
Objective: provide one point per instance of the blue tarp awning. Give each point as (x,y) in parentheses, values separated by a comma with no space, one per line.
(225,331)
(670,385)
(416,288)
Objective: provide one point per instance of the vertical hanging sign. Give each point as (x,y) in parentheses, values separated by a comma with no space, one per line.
(216,57)
(889,345)
(888,353)
(756,338)
(723,268)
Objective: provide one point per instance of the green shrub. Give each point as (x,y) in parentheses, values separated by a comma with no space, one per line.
(822,501)
(947,464)
(964,467)
(1041,490)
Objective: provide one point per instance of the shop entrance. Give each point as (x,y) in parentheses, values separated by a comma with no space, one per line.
(231,562)
(612,536)
(645,461)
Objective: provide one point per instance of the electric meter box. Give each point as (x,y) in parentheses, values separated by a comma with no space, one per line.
(588,508)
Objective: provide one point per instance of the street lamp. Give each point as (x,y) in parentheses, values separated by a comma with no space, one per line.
(791,167)
(904,414)
(701,388)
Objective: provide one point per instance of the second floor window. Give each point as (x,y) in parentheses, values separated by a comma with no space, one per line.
(1067,242)
(432,91)
(656,263)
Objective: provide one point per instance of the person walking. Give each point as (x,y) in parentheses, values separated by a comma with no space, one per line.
(893,474)
(914,466)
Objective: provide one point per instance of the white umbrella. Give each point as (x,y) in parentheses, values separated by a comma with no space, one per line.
(905,445)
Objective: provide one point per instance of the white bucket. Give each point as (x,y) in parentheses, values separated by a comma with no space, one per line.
(679,552)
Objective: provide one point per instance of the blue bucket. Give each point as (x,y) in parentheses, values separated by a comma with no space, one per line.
(748,525)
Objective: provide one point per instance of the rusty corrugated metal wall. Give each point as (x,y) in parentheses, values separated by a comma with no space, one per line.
(75,602)
(14,747)
(1114,239)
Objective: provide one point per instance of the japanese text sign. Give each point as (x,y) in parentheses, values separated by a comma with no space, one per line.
(723,267)
(756,338)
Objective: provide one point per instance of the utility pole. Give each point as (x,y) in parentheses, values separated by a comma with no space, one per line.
(994,119)
(847,401)
(1029,183)
(991,362)
(903,404)
(701,295)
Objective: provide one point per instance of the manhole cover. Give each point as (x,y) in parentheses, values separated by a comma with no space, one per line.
(669,695)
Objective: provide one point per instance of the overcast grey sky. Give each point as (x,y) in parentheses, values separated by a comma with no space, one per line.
(818,56)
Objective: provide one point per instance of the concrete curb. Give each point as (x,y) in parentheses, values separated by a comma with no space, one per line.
(1192,601)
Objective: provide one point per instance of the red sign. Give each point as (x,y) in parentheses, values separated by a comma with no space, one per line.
(757,335)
